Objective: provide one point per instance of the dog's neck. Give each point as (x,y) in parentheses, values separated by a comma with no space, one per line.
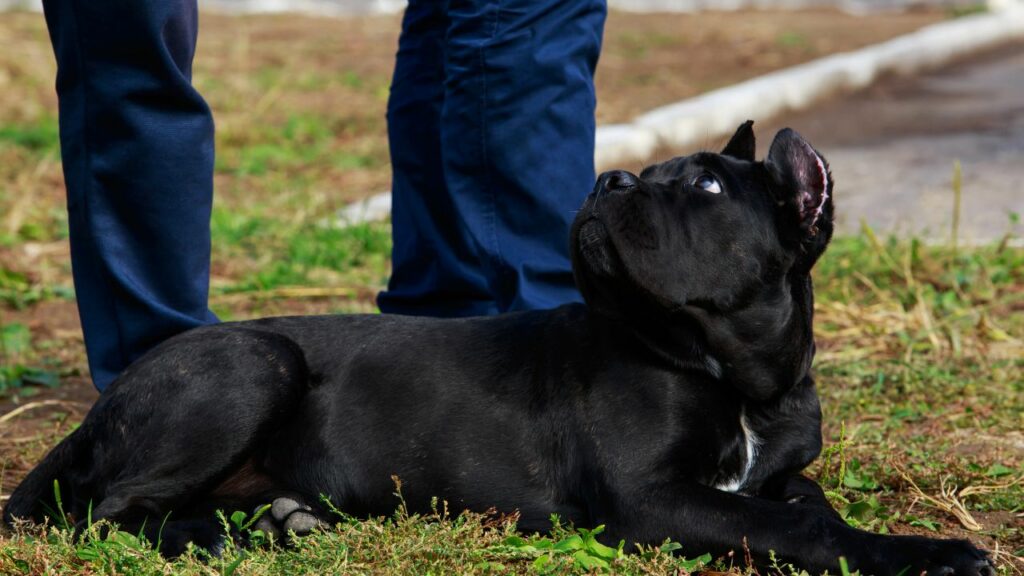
(678,344)
(765,346)
(762,347)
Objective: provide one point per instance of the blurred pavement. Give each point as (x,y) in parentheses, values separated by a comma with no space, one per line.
(892,148)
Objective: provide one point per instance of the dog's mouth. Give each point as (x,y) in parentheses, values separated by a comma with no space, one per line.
(593,245)
(592,234)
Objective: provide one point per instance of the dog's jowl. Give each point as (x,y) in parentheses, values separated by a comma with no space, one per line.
(676,403)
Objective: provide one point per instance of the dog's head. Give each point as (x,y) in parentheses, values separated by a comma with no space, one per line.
(719,242)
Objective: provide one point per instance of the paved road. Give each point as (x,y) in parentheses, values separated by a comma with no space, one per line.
(892,148)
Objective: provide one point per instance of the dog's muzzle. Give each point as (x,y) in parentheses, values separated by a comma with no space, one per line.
(593,245)
(615,181)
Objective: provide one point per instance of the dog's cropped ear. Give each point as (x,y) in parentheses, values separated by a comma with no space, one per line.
(802,185)
(802,181)
(742,144)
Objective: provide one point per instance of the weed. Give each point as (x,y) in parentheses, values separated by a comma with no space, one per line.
(303,254)
(967,10)
(39,136)
(792,40)
(16,371)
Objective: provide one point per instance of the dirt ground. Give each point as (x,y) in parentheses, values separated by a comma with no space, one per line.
(647,60)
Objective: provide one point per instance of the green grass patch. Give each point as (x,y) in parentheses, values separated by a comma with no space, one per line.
(301,142)
(635,46)
(792,40)
(20,368)
(39,136)
(18,290)
(324,253)
(967,10)
(403,544)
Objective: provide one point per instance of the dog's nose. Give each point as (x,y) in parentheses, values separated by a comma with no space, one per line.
(616,181)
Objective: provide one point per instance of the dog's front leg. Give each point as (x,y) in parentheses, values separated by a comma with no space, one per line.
(704,519)
(797,489)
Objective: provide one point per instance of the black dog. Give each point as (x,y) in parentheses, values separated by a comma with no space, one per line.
(677,403)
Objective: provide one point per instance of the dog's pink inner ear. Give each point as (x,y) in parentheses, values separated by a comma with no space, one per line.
(803,175)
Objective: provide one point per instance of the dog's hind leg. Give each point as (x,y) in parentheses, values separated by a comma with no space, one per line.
(221,393)
(173,431)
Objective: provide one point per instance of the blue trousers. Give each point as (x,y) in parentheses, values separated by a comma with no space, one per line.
(137,149)
(491,128)
(491,120)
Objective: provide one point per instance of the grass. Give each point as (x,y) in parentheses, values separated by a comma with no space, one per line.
(921,373)
(402,544)
(38,136)
(15,374)
(321,254)
(967,10)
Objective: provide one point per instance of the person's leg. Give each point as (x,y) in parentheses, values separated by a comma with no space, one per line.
(137,148)
(435,268)
(517,136)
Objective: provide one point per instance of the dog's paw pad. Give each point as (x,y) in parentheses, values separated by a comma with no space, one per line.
(301,523)
(986,568)
(267,526)
(955,558)
(288,515)
(284,507)
(980,568)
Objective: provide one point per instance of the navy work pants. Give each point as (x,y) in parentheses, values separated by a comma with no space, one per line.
(491,127)
(137,148)
(491,120)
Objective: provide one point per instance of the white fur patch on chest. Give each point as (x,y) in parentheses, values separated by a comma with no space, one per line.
(751,443)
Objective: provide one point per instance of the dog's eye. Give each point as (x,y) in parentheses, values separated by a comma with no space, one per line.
(709,183)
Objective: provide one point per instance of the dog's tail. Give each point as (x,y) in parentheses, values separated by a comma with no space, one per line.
(39,494)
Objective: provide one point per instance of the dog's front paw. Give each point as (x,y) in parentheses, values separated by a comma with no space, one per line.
(289,514)
(958,558)
(913,555)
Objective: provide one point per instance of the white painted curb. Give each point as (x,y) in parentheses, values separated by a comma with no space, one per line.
(372,209)
(716,114)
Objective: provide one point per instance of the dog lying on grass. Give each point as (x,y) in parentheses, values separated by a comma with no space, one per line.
(676,403)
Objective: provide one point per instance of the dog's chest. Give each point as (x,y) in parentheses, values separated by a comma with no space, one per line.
(767,440)
(743,461)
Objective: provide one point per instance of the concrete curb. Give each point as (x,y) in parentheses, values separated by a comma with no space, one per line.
(716,114)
